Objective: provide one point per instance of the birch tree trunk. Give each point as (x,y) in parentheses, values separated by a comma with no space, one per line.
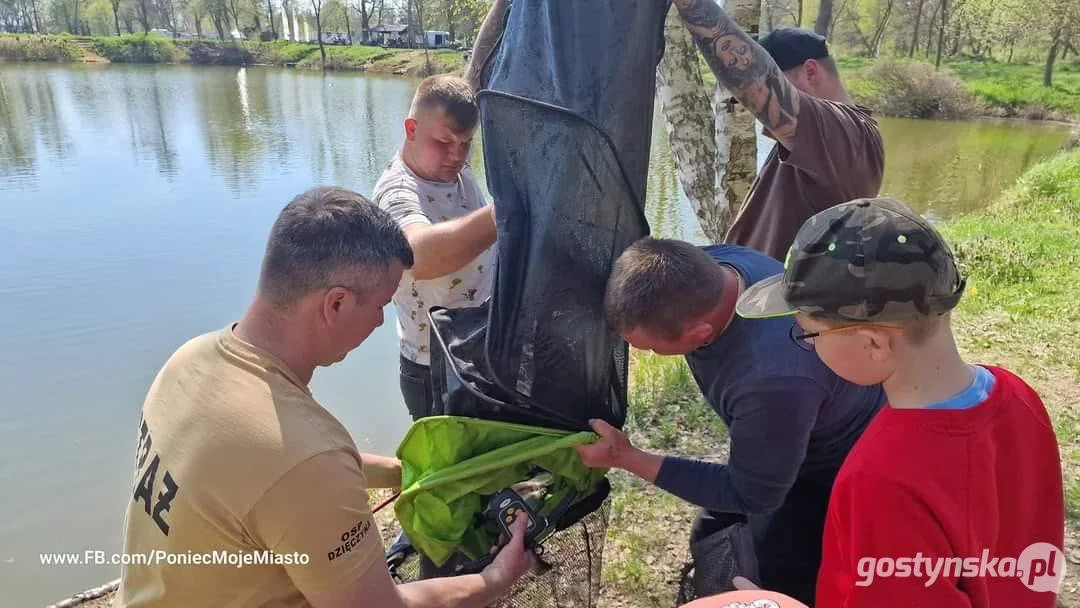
(714,144)
(689,124)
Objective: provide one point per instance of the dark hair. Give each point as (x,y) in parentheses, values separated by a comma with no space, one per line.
(660,285)
(330,236)
(452,94)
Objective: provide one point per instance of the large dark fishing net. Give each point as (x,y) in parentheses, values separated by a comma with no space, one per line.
(566,113)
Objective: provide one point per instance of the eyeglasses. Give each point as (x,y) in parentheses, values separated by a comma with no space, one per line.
(806,341)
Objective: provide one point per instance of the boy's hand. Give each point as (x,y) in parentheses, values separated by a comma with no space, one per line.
(609,451)
(743,583)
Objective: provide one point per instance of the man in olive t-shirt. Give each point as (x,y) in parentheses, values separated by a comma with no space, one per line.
(246,491)
(828,150)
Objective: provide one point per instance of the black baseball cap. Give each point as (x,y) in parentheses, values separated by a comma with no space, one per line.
(791,46)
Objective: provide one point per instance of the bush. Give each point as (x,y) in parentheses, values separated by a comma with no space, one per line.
(213,53)
(138,48)
(917,90)
(37,48)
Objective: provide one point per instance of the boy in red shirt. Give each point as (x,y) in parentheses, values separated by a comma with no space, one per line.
(946,497)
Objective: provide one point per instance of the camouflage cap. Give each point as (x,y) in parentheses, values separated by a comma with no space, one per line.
(864,260)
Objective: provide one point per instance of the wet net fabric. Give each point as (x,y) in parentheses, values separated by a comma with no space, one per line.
(566,112)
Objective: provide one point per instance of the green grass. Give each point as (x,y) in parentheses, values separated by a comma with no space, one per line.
(21,47)
(138,48)
(1014,86)
(344,57)
(1011,89)
(1023,259)
(667,411)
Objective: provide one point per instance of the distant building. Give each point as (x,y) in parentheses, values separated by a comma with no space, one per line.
(389,34)
(398,35)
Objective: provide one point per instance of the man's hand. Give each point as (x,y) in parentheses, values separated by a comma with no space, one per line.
(513,560)
(609,452)
(613,450)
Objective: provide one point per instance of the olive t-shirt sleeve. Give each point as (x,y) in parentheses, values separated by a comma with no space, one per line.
(320,509)
(836,144)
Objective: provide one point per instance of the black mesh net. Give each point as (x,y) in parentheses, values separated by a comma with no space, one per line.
(566,112)
(568,570)
(715,561)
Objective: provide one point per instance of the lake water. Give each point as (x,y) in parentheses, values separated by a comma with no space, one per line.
(134,207)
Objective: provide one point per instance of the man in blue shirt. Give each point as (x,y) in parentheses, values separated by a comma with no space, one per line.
(791,420)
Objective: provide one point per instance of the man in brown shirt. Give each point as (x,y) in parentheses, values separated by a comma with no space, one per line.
(828,150)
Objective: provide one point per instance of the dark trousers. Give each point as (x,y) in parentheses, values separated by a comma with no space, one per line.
(416,388)
(788,541)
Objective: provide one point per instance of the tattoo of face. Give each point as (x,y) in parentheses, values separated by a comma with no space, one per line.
(742,66)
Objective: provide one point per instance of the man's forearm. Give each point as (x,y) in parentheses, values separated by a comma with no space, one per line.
(642,464)
(381,471)
(442,248)
(468,591)
(484,47)
(743,67)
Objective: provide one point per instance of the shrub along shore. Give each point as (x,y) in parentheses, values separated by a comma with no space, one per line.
(892,87)
(153,49)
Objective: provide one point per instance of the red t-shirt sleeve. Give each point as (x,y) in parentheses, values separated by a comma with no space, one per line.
(872,518)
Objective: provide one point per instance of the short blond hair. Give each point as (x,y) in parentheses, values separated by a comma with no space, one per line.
(452,94)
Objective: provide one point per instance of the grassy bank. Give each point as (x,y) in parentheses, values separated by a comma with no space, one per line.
(158,49)
(1021,311)
(972,87)
(960,89)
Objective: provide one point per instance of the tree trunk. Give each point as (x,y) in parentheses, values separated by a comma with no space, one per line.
(37,17)
(714,144)
(941,31)
(879,32)
(1051,56)
(365,20)
(348,24)
(317,6)
(915,35)
(116,14)
(930,29)
(198,22)
(270,14)
(689,125)
(824,17)
(449,4)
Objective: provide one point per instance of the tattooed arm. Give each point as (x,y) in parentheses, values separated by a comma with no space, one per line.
(743,67)
(486,40)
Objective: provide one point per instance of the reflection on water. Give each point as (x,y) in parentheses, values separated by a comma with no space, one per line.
(134,207)
(945,168)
